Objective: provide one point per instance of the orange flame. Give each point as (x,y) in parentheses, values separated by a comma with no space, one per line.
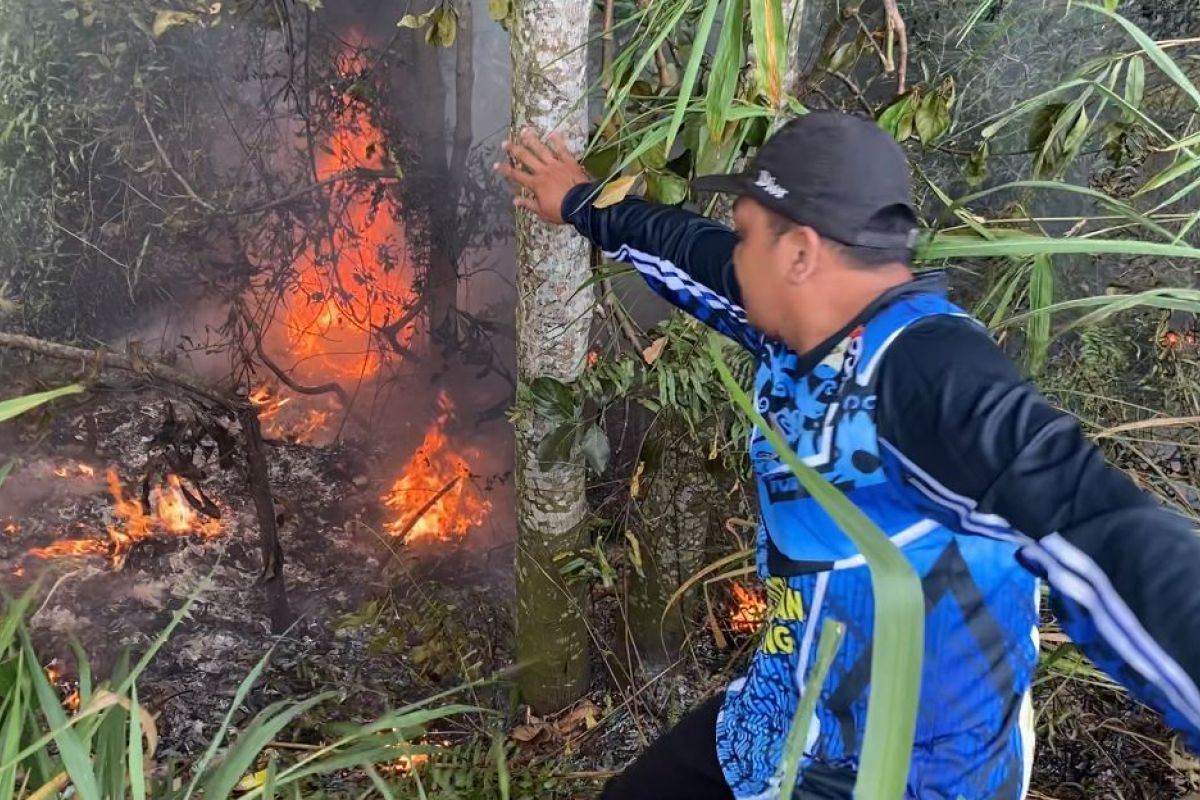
(434,495)
(12,528)
(172,512)
(70,547)
(749,611)
(83,469)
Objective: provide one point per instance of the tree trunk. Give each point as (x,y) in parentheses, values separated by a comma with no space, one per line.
(549,80)
(678,512)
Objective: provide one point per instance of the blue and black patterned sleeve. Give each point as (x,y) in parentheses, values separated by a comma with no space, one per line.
(684,257)
(993,457)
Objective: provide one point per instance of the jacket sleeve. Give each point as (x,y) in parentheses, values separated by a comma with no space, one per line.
(685,258)
(993,457)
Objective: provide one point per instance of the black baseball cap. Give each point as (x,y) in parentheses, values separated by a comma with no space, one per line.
(841,175)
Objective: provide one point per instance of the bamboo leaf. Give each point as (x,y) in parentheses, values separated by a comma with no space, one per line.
(1135,82)
(75,756)
(19,405)
(616,191)
(1155,53)
(1185,165)
(1041,297)
(768,34)
(955,246)
(727,64)
(266,725)
(692,71)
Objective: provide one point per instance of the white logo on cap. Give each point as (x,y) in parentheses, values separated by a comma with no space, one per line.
(766,181)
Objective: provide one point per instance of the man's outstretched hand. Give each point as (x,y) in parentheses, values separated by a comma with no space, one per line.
(542,173)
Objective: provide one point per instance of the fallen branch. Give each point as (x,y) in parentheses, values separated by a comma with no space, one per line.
(133,362)
(187,187)
(896,26)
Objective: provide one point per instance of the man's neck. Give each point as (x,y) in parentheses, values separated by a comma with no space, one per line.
(855,289)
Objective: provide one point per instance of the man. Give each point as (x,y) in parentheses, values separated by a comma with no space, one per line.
(904,403)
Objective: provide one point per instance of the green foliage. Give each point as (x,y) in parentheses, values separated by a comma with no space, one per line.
(85,231)
(16,406)
(107,747)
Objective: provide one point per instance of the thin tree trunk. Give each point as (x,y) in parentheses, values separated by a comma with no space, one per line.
(549,80)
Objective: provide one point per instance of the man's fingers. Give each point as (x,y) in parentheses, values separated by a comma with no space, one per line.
(523,156)
(537,146)
(527,203)
(517,176)
(558,143)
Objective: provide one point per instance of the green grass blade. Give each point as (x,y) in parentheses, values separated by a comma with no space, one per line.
(1155,53)
(502,777)
(239,697)
(727,63)
(1041,297)
(136,755)
(1105,306)
(899,629)
(84,668)
(770,46)
(269,722)
(75,756)
(19,405)
(1124,209)
(11,714)
(380,784)
(832,632)
(1023,245)
(692,71)
(5,469)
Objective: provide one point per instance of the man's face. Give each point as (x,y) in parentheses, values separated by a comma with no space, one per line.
(760,262)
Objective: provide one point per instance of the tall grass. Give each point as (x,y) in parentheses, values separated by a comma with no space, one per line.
(107,747)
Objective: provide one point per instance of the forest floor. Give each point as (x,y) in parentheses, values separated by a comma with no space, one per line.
(383,625)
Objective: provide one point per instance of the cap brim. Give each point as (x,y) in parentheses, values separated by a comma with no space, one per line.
(735,183)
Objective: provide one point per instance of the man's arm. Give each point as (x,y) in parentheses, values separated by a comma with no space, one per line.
(684,257)
(992,456)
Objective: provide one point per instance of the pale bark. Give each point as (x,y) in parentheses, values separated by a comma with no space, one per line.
(549,80)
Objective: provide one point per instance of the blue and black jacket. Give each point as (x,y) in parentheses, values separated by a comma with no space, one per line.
(916,414)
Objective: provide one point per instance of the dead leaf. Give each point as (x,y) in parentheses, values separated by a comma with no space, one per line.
(582,715)
(635,485)
(616,191)
(654,350)
(165,20)
(529,733)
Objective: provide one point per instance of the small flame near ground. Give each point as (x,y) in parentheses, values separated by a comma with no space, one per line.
(434,494)
(170,513)
(749,609)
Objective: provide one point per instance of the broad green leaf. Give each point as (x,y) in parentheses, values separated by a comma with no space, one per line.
(770,48)
(727,64)
(692,71)
(556,446)
(165,20)
(844,56)
(932,118)
(666,188)
(898,633)
(595,448)
(552,397)
(19,405)
(890,119)
(600,162)
(616,190)
(445,30)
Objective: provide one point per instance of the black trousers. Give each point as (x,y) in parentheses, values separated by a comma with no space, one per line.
(681,765)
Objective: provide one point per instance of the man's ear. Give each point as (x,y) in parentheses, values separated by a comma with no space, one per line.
(802,246)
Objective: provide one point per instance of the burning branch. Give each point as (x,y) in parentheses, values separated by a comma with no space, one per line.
(423,510)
